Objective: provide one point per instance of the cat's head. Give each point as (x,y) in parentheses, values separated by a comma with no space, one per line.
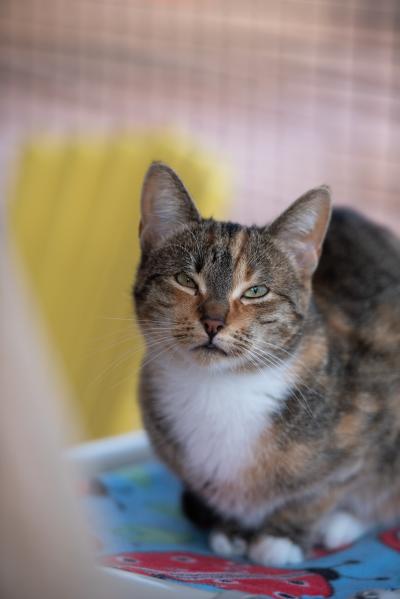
(220,294)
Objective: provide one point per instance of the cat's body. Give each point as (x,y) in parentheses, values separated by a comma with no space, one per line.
(290,431)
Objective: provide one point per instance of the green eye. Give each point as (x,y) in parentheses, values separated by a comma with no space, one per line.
(184,280)
(255,292)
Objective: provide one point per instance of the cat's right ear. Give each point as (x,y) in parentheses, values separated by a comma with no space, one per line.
(165,205)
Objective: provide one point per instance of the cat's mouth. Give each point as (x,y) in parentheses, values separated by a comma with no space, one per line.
(210,348)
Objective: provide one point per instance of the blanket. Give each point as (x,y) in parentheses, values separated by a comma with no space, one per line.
(138,526)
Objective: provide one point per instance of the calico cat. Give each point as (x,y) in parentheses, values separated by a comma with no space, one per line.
(271,384)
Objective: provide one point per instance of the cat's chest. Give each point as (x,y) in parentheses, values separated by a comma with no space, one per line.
(217,419)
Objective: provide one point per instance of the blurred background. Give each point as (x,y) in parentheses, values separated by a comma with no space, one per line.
(252,102)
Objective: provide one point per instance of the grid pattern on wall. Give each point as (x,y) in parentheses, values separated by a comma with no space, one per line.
(289,93)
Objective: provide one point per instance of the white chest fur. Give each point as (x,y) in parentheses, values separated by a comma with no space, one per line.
(219,417)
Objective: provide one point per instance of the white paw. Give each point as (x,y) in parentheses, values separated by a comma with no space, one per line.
(275,551)
(223,545)
(340,529)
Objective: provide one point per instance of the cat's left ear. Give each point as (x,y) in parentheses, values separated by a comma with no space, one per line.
(301,229)
(165,204)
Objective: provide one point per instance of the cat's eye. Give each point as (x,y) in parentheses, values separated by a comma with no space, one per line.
(256,291)
(183,279)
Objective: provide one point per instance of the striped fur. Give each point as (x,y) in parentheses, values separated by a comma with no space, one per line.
(293,416)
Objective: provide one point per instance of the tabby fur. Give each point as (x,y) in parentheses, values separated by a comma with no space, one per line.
(287,430)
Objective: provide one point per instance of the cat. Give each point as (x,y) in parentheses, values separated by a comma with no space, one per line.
(271,382)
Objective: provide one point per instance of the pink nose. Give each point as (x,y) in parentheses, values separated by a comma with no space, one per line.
(213,326)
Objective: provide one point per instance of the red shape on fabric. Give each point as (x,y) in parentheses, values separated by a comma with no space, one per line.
(391,538)
(222,573)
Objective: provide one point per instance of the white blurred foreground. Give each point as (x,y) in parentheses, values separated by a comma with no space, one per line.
(44,548)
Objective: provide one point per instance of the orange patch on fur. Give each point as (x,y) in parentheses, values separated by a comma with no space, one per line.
(312,352)
(348,430)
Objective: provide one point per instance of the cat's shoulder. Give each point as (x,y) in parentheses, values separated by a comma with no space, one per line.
(351,229)
(360,258)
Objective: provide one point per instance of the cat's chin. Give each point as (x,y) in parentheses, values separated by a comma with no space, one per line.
(214,359)
(209,350)
(209,356)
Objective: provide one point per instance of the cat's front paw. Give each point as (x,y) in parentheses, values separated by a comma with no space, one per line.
(274,551)
(227,545)
(341,528)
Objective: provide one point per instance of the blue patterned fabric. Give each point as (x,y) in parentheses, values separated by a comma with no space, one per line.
(138,526)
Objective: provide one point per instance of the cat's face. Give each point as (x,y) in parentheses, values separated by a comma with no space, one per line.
(218,294)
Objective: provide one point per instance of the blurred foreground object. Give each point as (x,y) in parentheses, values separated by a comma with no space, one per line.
(75,218)
(45,547)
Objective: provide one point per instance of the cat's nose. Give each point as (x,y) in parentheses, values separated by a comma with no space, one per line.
(212,326)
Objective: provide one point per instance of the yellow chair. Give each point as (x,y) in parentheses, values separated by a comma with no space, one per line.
(74,214)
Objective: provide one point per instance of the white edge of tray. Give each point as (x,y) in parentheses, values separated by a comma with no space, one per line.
(146,587)
(94,457)
(112,452)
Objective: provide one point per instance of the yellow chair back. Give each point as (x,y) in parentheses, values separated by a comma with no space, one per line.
(75,213)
